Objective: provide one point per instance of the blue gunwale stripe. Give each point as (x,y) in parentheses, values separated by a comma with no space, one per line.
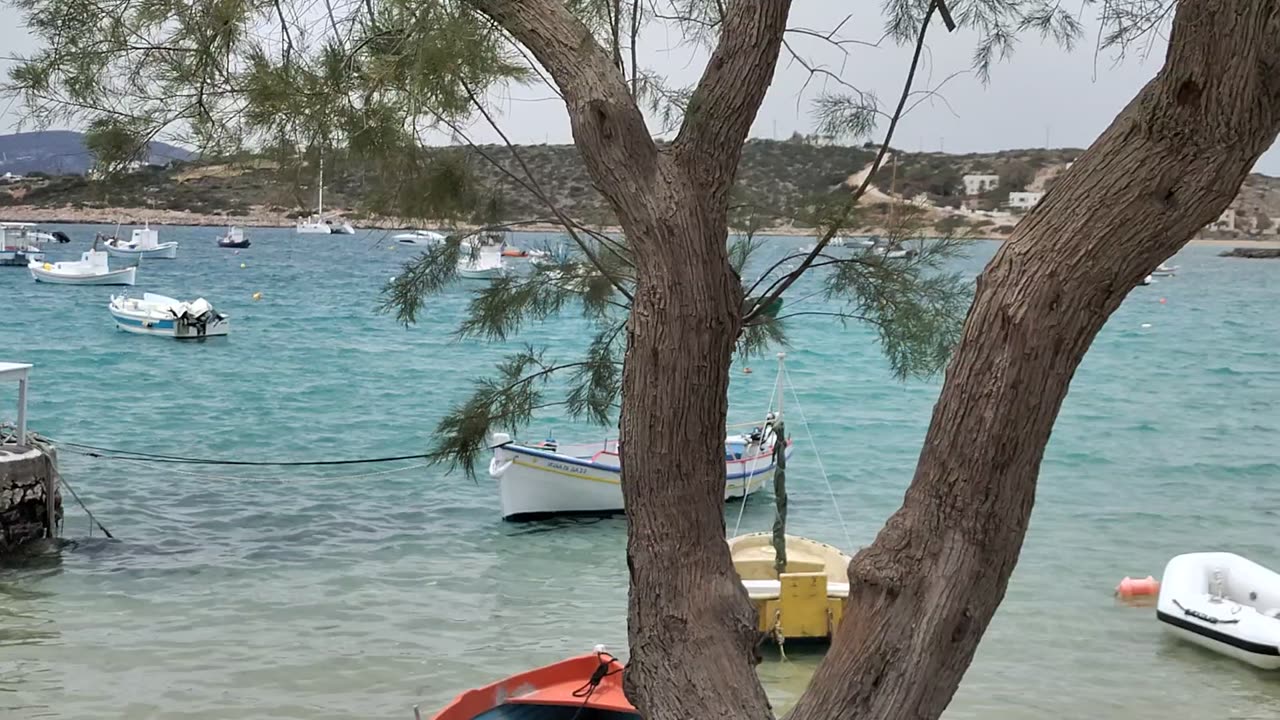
(525,450)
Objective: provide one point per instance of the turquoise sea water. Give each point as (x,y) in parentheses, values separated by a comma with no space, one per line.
(248,593)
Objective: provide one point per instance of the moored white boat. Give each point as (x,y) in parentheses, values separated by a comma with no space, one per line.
(234,238)
(537,481)
(142,243)
(317,224)
(90,269)
(161,315)
(19,243)
(482,262)
(1165,270)
(424,238)
(1223,602)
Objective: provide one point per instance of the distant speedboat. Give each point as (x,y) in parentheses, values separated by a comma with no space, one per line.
(1164,270)
(234,238)
(90,269)
(421,238)
(161,315)
(142,243)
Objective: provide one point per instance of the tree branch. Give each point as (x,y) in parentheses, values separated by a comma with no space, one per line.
(794,275)
(534,187)
(607,124)
(727,98)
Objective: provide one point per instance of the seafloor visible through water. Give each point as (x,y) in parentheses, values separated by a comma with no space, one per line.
(356,592)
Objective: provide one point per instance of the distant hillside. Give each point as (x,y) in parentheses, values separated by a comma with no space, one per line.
(58,152)
(788,182)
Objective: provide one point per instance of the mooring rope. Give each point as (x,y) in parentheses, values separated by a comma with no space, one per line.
(746,478)
(234,478)
(105,453)
(817,455)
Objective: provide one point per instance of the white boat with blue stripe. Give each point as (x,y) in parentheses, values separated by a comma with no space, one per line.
(547,479)
(164,316)
(142,243)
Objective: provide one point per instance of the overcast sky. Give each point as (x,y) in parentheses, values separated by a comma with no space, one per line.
(1041,96)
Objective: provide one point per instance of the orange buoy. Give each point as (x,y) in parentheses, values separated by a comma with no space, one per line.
(1138,587)
(1164,301)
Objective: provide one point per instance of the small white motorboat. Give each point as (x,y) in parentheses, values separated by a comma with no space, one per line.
(481,262)
(234,238)
(90,269)
(161,315)
(19,243)
(1148,280)
(423,238)
(1165,271)
(1224,602)
(143,242)
(545,480)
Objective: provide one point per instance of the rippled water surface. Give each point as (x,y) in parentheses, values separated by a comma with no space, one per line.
(249,593)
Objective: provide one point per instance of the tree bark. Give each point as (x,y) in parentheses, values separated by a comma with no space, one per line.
(691,628)
(924,592)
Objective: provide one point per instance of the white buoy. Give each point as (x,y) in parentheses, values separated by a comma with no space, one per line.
(1146,325)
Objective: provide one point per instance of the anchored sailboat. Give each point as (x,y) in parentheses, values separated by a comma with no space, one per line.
(317,224)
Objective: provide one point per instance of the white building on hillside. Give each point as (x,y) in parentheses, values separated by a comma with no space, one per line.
(1226,221)
(1024,200)
(978,184)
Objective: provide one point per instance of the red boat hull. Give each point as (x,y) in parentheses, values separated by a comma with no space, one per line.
(588,687)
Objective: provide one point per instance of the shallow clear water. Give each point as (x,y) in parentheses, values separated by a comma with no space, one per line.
(242,593)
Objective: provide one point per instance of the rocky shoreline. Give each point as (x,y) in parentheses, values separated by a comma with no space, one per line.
(263,219)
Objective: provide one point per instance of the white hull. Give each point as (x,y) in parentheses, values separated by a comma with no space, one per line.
(20,258)
(323,228)
(1225,603)
(167,317)
(535,483)
(419,238)
(485,273)
(163,251)
(124,276)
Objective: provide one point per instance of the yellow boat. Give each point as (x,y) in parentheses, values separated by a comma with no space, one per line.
(807,601)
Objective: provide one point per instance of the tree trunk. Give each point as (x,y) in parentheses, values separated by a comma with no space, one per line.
(925,590)
(691,628)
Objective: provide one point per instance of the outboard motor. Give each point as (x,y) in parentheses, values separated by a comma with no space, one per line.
(60,236)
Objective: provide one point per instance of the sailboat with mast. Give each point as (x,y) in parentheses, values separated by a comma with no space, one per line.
(317,224)
(797,585)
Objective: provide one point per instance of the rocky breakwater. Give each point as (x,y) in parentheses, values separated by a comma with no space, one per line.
(1252,253)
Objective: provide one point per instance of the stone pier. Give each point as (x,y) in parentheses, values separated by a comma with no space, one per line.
(30,500)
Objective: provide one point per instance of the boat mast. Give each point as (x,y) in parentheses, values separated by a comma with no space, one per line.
(780,479)
(320,190)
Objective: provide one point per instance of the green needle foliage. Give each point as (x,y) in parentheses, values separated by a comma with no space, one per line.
(381,85)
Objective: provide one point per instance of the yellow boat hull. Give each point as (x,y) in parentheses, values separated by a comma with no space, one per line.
(807,600)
